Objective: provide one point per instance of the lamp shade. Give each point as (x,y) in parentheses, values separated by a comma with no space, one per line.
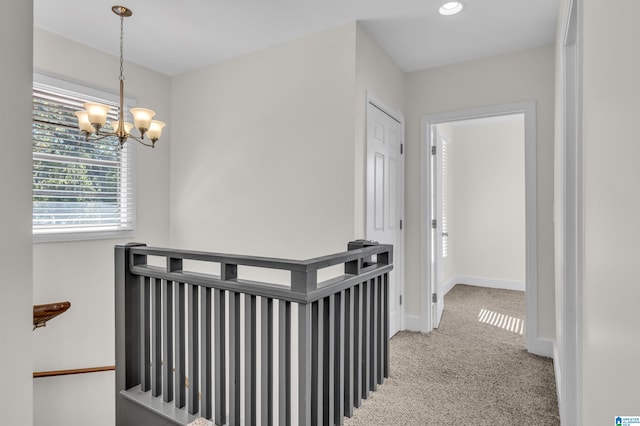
(97,113)
(142,118)
(83,121)
(155,130)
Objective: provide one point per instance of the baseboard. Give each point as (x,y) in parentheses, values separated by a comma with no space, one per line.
(540,347)
(412,323)
(485,282)
(450,284)
(558,374)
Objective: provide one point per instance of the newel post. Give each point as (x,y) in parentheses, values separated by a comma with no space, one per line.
(355,266)
(304,282)
(127,322)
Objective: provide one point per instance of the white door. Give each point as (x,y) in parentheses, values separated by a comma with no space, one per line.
(438,223)
(385,197)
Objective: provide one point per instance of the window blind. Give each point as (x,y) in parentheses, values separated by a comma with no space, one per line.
(79,186)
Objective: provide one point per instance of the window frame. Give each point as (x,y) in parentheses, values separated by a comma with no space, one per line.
(86,94)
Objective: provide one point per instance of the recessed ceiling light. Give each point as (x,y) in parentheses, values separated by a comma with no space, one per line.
(451,8)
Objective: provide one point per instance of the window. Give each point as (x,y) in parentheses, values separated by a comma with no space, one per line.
(81,189)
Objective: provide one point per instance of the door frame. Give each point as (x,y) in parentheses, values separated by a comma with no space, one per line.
(437,190)
(528,108)
(569,220)
(398,261)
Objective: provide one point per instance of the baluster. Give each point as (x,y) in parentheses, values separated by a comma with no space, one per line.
(305,363)
(380,331)
(192,342)
(180,351)
(317,361)
(156,309)
(366,337)
(250,364)
(329,360)
(167,341)
(357,346)
(385,308)
(219,356)
(339,358)
(234,358)
(349,337)
(284,366)
(145,338)
(373,381)
(266,362)
(205,353)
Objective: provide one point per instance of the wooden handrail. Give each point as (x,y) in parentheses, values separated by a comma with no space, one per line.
(44,313)
(54,373)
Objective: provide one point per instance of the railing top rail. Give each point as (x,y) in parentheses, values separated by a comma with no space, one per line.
(235,259)
(258,288)
(347,256)
(358,261)
(263,262)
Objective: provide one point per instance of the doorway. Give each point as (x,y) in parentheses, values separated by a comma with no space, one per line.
(478,205)
(428,284)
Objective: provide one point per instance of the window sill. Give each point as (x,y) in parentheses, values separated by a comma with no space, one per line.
(62,237)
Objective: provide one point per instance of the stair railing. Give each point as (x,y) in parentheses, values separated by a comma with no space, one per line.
(182,337)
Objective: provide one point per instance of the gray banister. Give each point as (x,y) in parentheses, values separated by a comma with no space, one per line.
(360,250)
(173,324)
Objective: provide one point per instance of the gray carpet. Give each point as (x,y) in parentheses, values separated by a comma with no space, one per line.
(467,372)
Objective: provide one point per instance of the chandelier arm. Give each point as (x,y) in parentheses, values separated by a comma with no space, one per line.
(102,135)
(142,141)
(98,136)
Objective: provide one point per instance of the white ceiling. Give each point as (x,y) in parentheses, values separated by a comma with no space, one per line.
(174,36)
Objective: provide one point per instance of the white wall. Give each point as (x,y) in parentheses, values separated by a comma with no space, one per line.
(16,314)
(486,220)
(521,76)
(82,272)
(611,207)
(263,150)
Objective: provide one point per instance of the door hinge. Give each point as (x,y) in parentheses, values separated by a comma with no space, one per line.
(434,223)
(433,150)
(401,148)
(400,299)
(434,297)
(400,223)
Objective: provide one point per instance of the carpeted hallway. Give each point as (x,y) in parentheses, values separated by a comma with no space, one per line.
(468,372)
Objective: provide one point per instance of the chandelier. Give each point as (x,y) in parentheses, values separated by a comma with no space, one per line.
(94,116)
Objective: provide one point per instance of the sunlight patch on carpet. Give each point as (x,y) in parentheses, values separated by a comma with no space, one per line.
(506,322)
